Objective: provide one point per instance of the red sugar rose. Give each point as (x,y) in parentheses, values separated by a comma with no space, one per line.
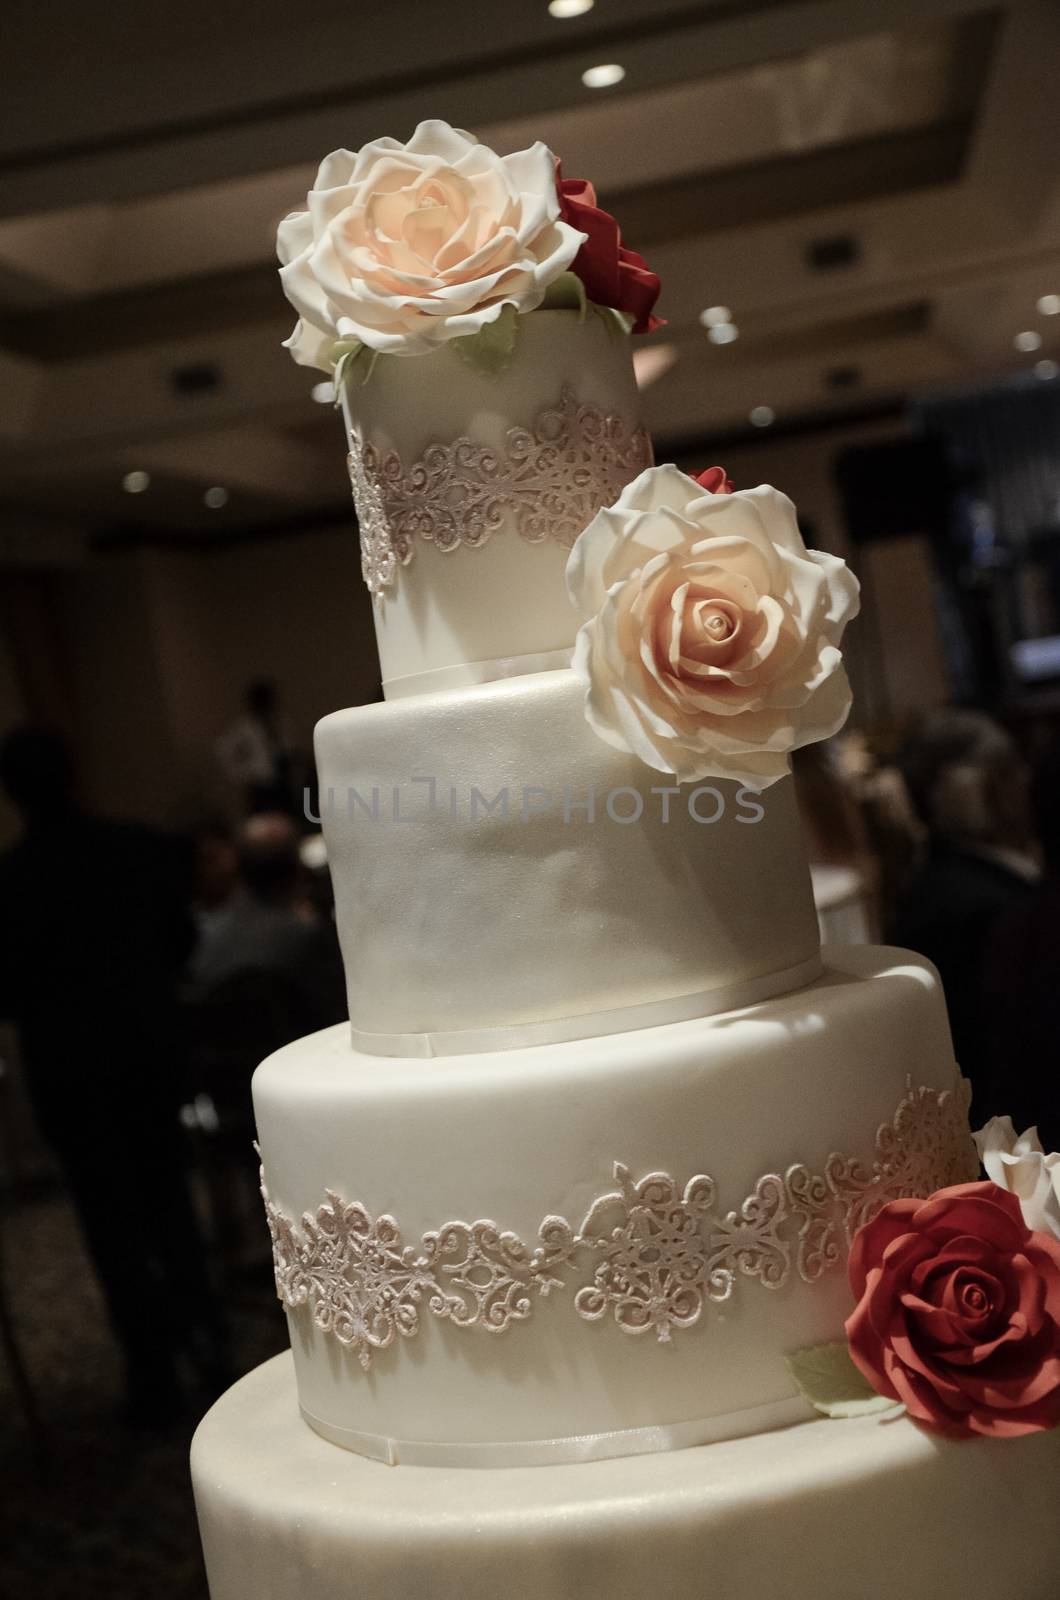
(612,275)
(716,480)
(958,1312)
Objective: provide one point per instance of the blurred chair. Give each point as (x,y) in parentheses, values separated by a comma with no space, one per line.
(970,787)
(1021,982)
(9,1342)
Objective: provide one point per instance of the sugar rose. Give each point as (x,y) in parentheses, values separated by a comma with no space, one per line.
(613,275)
(405,246)
(1018,1163)
(716,479)
(709,645)
(958,1312)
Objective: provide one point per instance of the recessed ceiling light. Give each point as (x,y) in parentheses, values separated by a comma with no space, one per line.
(215,498)
(1029,340)
(323,393)
(714,316)
(1047,369)
(762,416)
(723,333)
(1049,305)
(136,482)
(569,8)
(603,77)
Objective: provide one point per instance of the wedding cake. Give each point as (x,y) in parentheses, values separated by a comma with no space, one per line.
(586,1230)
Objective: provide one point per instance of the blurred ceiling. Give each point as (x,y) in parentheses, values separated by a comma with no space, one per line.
(871,188)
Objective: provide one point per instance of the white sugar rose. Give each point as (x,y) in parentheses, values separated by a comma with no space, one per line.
(404,246)
(710,638)
(1018,1163)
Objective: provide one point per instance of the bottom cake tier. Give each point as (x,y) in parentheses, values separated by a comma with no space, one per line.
(856,1510)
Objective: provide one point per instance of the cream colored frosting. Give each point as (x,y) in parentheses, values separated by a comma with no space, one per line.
(823,1511)
(517,1136)
(455,919)
(506,599)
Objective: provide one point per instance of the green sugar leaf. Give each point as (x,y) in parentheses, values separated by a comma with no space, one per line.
(566,293)
(619,324)
(354,362)
(491,349)
(827,1377)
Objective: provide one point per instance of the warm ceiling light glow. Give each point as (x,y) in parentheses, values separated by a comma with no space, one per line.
(313,852)
(1049,305)
(1046,369)
(651,361)
(136,482)
(603,77)
(714,316)
(569,8)
(762,416)
(215,498)
(723,333)
(323,393)
(1028,341)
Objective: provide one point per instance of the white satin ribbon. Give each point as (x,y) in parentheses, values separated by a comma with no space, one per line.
(577,1447)
(465,674)
(591,1024)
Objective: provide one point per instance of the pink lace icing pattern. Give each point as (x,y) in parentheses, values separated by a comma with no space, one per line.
(652,1253)
(547,482)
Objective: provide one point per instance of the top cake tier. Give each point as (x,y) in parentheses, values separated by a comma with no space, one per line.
(474,309)
(471,488)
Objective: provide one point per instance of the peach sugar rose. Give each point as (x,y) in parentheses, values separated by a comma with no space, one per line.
(405,246)
(710,637)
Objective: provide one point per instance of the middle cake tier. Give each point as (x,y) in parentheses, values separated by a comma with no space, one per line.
(602,1247)
(504,878)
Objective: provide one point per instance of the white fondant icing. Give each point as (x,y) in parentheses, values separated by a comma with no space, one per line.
(520,1135)
(590,1024)
(855,1510)
(507,598)
(455,918)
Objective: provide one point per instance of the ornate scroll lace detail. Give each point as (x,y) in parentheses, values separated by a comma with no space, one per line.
(657,1253)
(656,1270)
(366,1285)
(548,482)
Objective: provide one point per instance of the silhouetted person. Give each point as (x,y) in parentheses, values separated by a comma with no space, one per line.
(271,926)
(1021,982)
(969,786)
(214,867)
(94,931)
(255,753)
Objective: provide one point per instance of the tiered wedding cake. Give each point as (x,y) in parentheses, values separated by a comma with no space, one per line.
(580,1192)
